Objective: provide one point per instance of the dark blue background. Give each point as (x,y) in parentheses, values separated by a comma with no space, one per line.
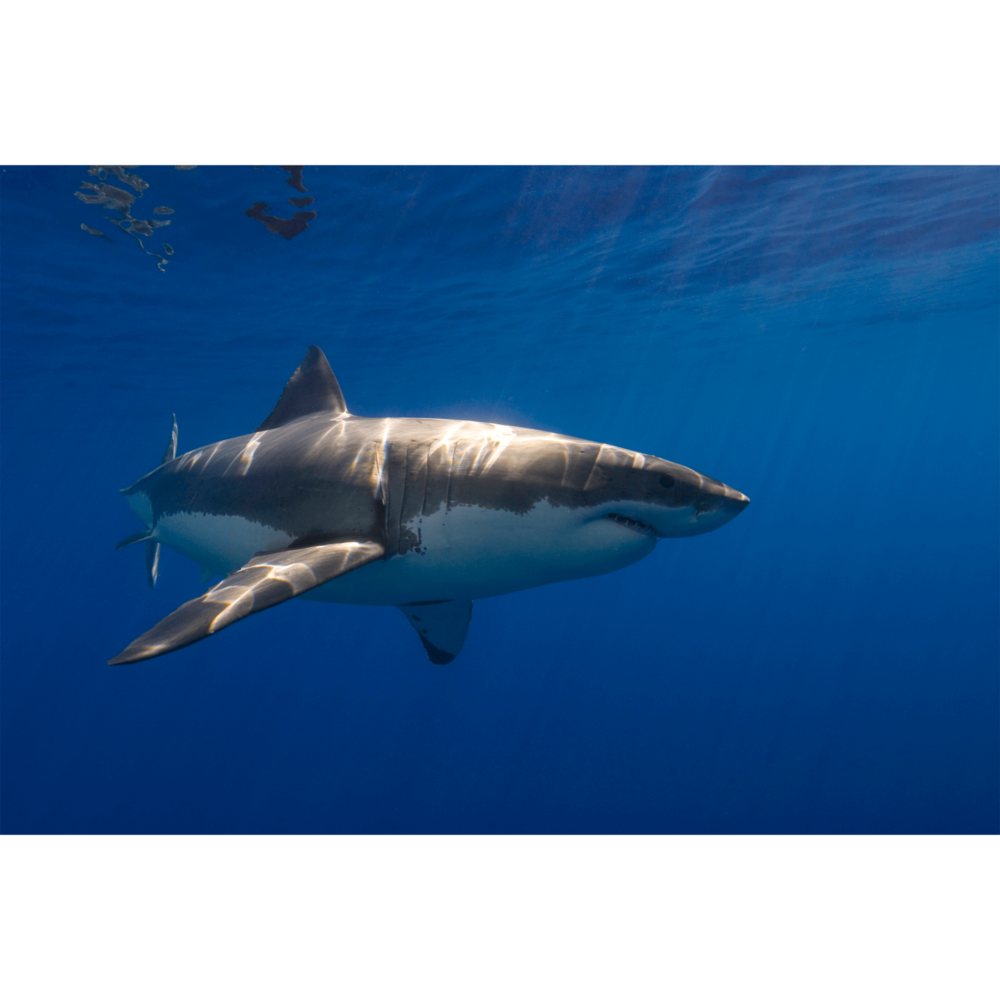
(823,339)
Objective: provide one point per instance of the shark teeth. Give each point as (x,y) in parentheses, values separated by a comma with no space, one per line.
(633,524)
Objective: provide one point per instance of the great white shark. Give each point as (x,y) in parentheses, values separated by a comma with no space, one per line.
(428,515)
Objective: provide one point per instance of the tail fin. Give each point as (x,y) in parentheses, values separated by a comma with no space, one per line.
(153,548)
(152,563)
(139,536)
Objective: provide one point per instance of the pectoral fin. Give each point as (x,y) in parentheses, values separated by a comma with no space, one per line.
(266,580)
(441,625)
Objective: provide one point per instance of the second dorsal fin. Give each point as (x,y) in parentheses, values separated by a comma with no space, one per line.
(313,388)
(171,453)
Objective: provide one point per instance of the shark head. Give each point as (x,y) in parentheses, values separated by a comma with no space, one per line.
(688,503)
(660,498)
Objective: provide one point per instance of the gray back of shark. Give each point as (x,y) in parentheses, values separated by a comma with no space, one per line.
(428,515)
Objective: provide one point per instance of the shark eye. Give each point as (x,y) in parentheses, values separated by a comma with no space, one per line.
(666,481)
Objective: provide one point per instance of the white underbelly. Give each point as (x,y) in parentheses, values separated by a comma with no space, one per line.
(473,552)
(219,542)
(464,553)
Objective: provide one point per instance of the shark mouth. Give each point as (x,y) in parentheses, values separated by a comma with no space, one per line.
(633,525)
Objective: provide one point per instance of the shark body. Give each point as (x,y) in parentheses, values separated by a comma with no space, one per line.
(427,515)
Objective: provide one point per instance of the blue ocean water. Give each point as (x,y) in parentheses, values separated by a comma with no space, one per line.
(824,340)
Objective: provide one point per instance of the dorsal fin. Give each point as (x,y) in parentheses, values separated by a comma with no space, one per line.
(313,388)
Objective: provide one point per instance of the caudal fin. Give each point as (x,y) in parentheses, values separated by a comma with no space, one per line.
(152,563)
(153,548)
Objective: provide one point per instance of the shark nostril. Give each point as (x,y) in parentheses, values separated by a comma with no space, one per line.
(701,507)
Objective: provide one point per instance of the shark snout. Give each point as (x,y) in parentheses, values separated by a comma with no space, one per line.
(702,505)
(731,500)
(718,498)
(718,505)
